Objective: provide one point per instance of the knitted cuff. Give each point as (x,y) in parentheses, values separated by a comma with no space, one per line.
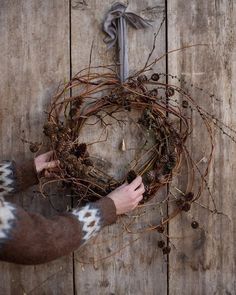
(107,210)
(7,220)
(94,216)
(7,178)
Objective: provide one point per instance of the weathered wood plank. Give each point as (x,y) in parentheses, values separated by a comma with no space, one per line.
(204,260)
(139,268)
(34,59)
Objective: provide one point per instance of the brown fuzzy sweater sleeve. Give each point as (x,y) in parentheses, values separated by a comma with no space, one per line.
(28,238)
(17,177)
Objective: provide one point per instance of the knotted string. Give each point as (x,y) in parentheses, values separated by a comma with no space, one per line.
(114,26)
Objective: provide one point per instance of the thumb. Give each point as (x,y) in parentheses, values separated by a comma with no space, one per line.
(122,185)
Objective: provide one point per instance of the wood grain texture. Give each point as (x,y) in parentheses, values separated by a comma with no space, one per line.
(138,268)
(204,259)
(34,59)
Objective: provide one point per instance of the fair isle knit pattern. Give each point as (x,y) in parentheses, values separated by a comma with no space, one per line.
(7,220)
(29,238)
(7,179)
(7,215)
(90,219)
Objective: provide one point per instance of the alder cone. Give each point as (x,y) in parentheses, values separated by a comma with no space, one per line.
(166,250)
(195,224)
(160,178)
(170,92)
(153,92)
(189,196)
(88,162)
(151,176)
(50,128)
(34,147)
(186,207)
(161,243)
(131,176)
(155,77)
(80,150)
(142,78)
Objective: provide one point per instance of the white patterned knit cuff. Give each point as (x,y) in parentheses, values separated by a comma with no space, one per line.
(7,220)
(7,178)
(94,216)
(90,219)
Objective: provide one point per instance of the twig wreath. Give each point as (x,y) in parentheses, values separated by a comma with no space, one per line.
(163,116)
(76,164)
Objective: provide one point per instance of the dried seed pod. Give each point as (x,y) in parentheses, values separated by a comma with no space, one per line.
(166,250)
(166,170)
(61,136)
(64,146)
(69,167)
(161,244)
(155,77)
(112,98)
(72,159)
(170,166)
(146,193)
(78,102)
(88,162)
(50,128)
(151,176)
(142,78)
(160,228)
(73,173)
(131,176)
(34,147)
(186,207)
(53,137)
(147,188)
(65,154)
(180,203)
(164,159)
(184,104)
(189,196)
(73,112)
(80,150)
(195,224)
(153,92)
(170,91)
(77,165)
(160,178)
(62,165)
(65,130)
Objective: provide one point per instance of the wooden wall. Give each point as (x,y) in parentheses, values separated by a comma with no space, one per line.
(45,42)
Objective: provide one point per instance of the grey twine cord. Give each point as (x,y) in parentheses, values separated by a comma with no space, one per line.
(114,26)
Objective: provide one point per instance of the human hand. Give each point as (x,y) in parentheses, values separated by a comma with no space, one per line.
(45,161)
(127,196)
